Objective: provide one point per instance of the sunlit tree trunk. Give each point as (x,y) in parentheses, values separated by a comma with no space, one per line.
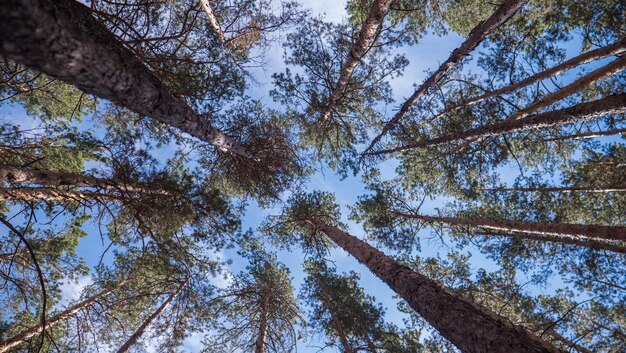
(54,194)
(583,136)
(614,104)
(613,49)
(476,36)
(259,346)
(565,189)
(213,20)
(466,324)
(557,232)
(50,322)
(12,174)
(369,32)
(584,82)
(62,39)
(125,348)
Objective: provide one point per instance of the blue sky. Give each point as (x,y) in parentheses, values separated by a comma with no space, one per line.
(427,55)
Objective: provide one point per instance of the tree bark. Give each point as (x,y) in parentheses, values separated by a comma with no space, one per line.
(50,322)
(213,20)
(614,104)
(125,348)
(565,189)
(587,135)
(62,39)
(558,232)
(12,174)
(609,50)
(578,85)
(586,81)
(476,36)
(53,194)
(469,326)
(369,31)
(259,346)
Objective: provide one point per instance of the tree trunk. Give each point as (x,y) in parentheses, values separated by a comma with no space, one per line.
(369,31)
(609,50)
(213,20)
(578,85)
(62,39)
(53,194)
(565,189)
(586,81)
(50,322)
(11,174)
(560,232)
(469,326)
(345,345)
(135,337)
(370,344)
(476,36)
(614,104)
(587,135)
(586,242)
(259,346)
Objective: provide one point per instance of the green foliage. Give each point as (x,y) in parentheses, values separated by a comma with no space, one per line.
(260,297)
(293,226)
(342,311)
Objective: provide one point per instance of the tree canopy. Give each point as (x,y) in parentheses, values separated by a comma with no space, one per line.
(366,176)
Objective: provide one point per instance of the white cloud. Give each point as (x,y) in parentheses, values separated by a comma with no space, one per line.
(334,10)
(72,289)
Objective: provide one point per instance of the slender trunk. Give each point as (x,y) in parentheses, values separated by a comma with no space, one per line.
(53,194)
(62,39)
(578,85)
(562,239)
(586,81)
(343,339)
(614,104)
(466,324)
(50,322)
(11,174)
(213,20)
(560,232)
(609,50)
(565,189)
(369,31)
(476,36)
(135,337)
(370,344)
(259,346)
(587,135)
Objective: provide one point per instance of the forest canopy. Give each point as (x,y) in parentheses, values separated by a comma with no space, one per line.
(269,176)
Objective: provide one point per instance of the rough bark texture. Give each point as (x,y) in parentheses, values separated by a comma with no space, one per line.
(125,348)
(259,345)
(609,50)
(467,325)
(213,20)
(369,31)
(50,322)
(62,39)
(614,104)
(11,174)
(586,81)
(53,194)
(580,241)
(585,135)
(565,189)
(476,36)
(561,232)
